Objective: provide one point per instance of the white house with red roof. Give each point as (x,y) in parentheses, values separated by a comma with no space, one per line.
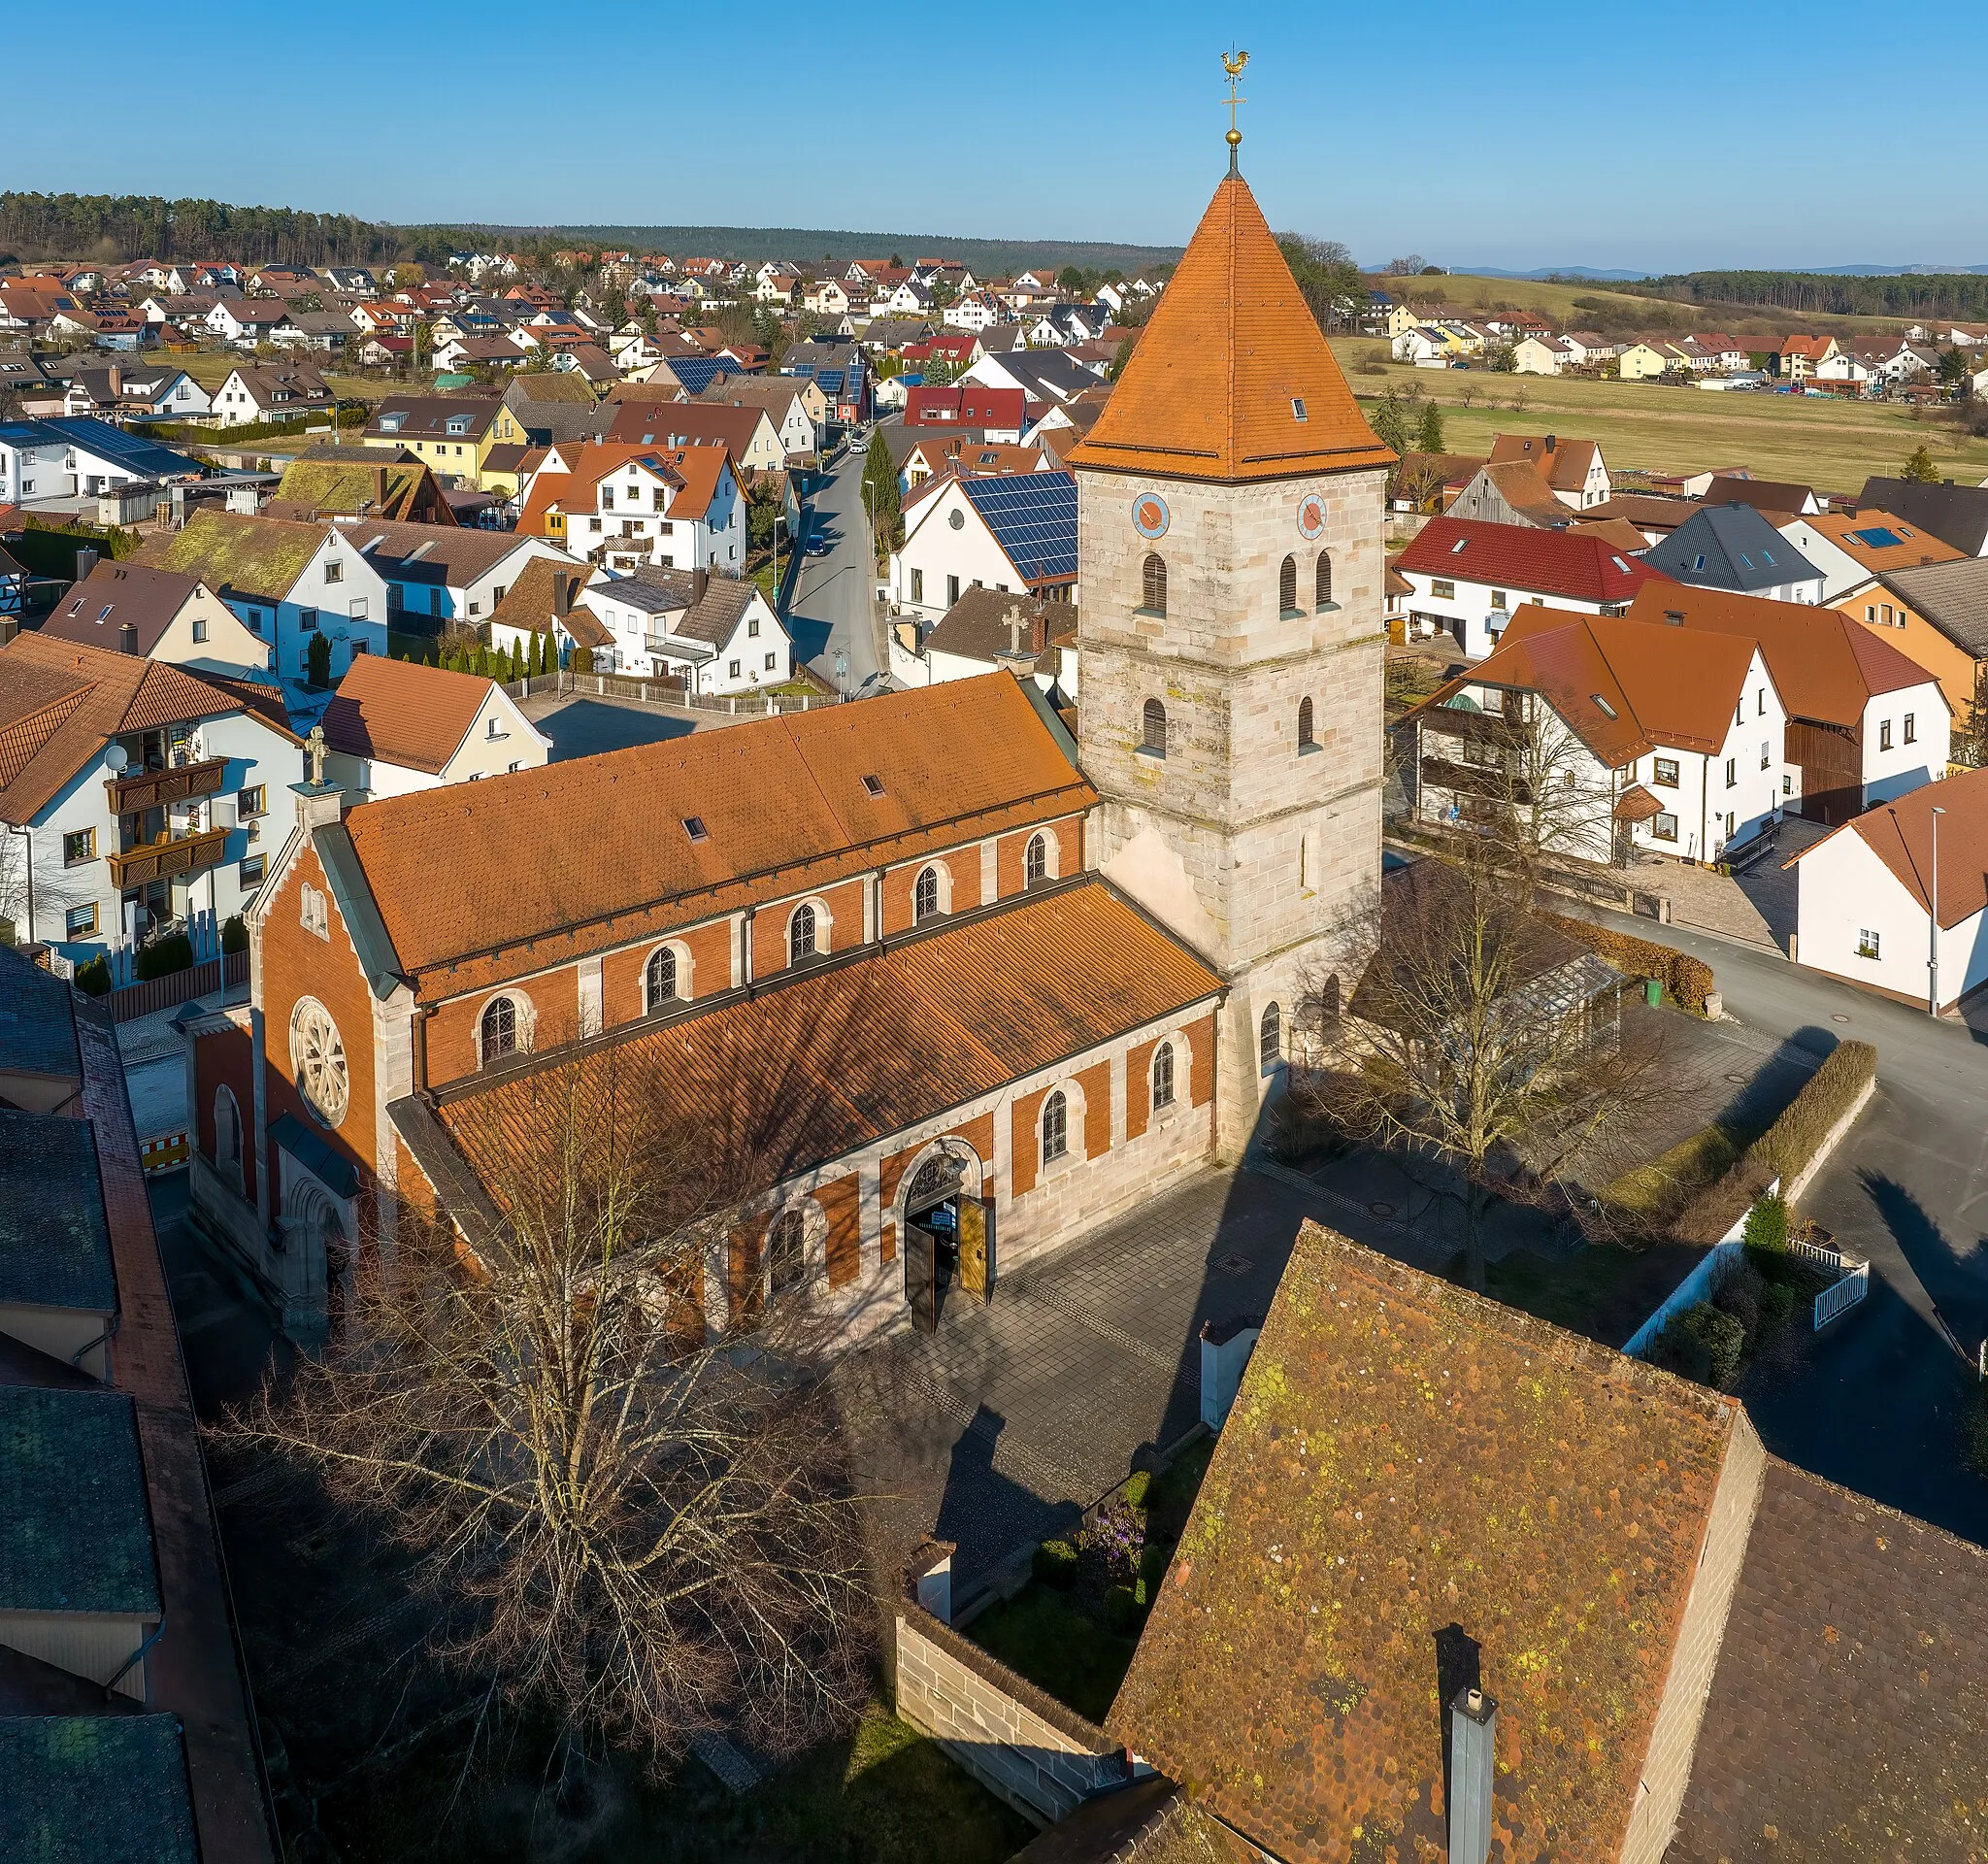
(620,505)
(1467,577)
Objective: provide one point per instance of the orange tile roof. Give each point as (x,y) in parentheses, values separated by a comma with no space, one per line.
(400,711)
(1900,833)
(1911,547)
(1211,391)
(818,1064)
(593,852)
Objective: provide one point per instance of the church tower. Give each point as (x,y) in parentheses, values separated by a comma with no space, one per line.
(1232,636)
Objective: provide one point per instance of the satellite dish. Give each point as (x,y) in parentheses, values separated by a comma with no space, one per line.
(114,760)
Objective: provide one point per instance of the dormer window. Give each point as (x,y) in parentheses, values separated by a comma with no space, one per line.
(458,423)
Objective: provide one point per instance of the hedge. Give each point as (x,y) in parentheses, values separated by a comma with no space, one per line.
(170,954)
(1685,980)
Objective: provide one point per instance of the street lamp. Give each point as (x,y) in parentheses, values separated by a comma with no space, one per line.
(1932,927)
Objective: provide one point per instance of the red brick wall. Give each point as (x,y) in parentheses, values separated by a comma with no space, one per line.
(1010,864)
(1139,1088)
(842,1202)
(554,997)
(900,886)
(742,1277)
(415,1190)
(1028,1139)
(227,1059)
(844,903)
(710,971)
(1096,1083)
(1200,1038)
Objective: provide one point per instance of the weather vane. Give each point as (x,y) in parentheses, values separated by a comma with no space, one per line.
(1233,62)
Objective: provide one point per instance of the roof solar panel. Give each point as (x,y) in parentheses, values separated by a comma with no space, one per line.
(1033,516)
(1879,537)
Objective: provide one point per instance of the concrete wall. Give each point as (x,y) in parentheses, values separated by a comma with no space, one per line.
(1043,1759)
(84,1644)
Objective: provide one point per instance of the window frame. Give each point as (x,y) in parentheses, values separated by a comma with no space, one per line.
(1152,718)
(1270,1039)
(807,915)
(1160,1077)
(89,838)
(1052,1127)
(650,999)
(1658,766)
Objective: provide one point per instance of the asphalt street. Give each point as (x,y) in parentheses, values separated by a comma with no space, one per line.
(833,612)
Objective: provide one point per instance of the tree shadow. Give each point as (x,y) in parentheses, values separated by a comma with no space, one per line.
(985,1512)
(586,727)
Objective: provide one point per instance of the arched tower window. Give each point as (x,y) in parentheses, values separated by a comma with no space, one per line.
(499,1028)
(1306,741)
(1270,1038)
(1055,1127)
(801,935)
(659,978)
(1155,728)
(1287,586)
(1163,1075)
(925,895)
(1036,862)
(1153,585)
(1322,579)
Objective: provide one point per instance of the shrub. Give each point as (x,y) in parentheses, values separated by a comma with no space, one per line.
(1724,1338)
(583,660)
(1767,1225)
(1740,1295)
(1777,1302)
(1136,1488)
(1124,1608)
(1794,1140)
(235,934)
(1686,979)
(93,977)
(164,956)
(1055,1564)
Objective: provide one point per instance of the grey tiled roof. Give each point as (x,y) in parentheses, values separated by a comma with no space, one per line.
(1952,596)
(54,1242)
(37,1029)
(1731,547)
(95,1789)
(1956,515)
(74,1524)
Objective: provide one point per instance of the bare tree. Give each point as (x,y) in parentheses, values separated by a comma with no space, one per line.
(1475,1036)
(641,1533)
(1560,796)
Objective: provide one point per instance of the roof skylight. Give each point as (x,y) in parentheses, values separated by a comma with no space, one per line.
(693,826)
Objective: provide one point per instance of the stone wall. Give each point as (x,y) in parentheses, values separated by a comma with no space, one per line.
(1043,1759)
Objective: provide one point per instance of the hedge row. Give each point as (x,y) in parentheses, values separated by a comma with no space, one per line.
(1789,1145)
(1685,980)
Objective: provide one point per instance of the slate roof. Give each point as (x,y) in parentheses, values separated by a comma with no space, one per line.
(1230,357)
(868,1047)
(1957,513)
(37,1026)
(95,1789)
(1405,1457)
(1731,547)
(1952,597)
(427,416)
(75,1520)
(401,712)
(54,1240)
(1848,1715)
(711,617)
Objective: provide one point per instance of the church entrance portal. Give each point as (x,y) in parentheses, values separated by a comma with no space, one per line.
(949,1240)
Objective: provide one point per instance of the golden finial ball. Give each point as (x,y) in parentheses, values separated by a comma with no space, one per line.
(1234,138)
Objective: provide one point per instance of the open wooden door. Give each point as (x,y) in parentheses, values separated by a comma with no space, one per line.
(976,1247)
(921,1277)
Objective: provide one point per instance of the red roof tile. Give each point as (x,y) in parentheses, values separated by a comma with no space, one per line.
(1564,563)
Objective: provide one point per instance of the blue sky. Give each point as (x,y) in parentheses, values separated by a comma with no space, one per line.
(1567,134)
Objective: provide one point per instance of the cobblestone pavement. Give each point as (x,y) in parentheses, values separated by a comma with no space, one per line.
(1002,1427)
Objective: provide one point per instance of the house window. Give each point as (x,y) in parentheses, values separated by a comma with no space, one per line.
(952,586)
(1306,740)
(1270,1039)
(1055,1127)
(79,846)
(1665,772)
(1912,729)
(773,661)
(1760,704)
(1866,943)
(499,1028)
(1154,729)
(199,630)
(1884,733)
(1163,1075)
(752,629)
(1765,756)
(334,570)
(1287,586)
(249,802)
(1441,589)
(733,666)
(1664,826)
(307,619)
(925,895)
(1322,581)
(248,873)
(787,1251)
(1498,598)
(659,979)
(1732,772)
(1153,583)
(1035,864)
(801,935)
(80,922)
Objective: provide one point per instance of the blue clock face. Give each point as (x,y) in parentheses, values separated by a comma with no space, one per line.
(1311,516)
(1149,515)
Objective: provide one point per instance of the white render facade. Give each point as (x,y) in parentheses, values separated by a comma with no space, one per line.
(337,594)
(499,738)
(948,550)
(1855,919)
(1476,614)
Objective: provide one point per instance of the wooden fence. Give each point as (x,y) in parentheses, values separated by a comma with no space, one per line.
(130,1001)
(669,692)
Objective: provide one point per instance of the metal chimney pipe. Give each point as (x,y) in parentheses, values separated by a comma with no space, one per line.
(1473,1764)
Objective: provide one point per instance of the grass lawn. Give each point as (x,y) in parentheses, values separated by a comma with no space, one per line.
(1606,1292)
(1468,294)
(1042,1635)
(1832,445)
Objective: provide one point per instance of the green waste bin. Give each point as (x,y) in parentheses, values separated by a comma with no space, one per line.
(1653,992)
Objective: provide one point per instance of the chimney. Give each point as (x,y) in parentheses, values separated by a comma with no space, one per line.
(127,637)
(379,488)
(700,581)
(562,592)
(1473,1764)
(85,561)
(1552,440)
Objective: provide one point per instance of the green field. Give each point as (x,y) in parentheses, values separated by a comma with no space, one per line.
(1832,445)
(1469,292)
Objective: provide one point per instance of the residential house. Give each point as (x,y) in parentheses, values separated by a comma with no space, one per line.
(140,788)
(66,458)
(1798,358)
(1725,353)
(1513,491)
(442,573)
(1589,346)
(999,413)
(130,608)
(1941,614)
(545,600)
(552,405)
(1853,549)
(1014,533)
(1642,361)
(1655,515)
(350,279)
(1573,468)
(794,406)
(1655,741)
(1776,499)
(1048,376)
(451,433)
(396,726)
(461,353)
(717,634)
(827,298)
(1956,515)
(1541,355)
(325,331)
(288,582)
(1734,547)
(1864,723)
(986,631)
(358,481)
(1425,345)
(744,429)
(274,393)
(134,391)
(1864,911)
(1468,579)
(622,505)
(247,321)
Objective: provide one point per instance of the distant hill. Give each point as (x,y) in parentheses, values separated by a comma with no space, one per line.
(1542,273)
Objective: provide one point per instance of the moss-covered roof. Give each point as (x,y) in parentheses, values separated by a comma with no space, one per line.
(95,1789)
(351,486)
(256,557)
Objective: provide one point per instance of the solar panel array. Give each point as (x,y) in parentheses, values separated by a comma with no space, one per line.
(1879,537)
(1033,516)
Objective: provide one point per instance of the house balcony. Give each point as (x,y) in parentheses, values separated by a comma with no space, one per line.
(153,788)
(1474,780)
(169,856)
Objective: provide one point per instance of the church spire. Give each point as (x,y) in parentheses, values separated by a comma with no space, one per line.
(1233,62)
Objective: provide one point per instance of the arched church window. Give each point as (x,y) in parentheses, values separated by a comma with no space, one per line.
(801,935)
(659,979)
(1306,739)
(1322,581)
(1154,592)
(1163,1075)
(925,895)
(1287,586)
(1036,862)
(1055,1127)
(499,1028)
(1155,728)
(786,1249)
(1270,1038)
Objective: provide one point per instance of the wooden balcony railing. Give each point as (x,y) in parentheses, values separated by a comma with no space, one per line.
(153,788)
(161,860)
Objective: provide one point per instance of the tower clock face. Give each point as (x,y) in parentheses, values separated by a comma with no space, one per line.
(1149,515)
(1311,516)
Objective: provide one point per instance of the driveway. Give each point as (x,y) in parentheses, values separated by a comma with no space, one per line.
(833,609)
